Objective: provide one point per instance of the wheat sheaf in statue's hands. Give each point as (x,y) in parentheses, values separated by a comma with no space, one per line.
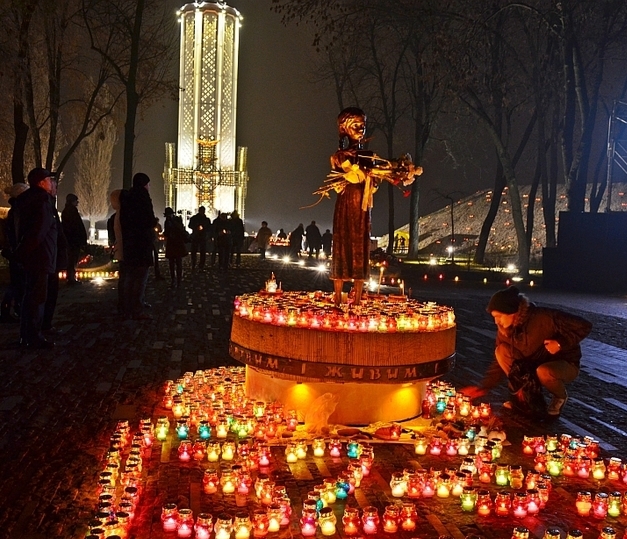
(401,173)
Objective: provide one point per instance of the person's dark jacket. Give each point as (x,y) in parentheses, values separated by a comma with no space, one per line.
(200,225)
(137,219)
(36,231)
(222,233)
(73,227)
(237,231)
(296,238)
(314,239)
(534,326)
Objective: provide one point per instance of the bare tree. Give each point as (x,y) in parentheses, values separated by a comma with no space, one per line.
(93,170)
(136,40)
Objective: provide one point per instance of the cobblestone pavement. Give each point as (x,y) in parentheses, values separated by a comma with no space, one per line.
(58,409)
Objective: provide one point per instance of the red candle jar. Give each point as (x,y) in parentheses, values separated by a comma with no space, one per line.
(370,520)
(484,503)
(350,521)
(519,504)
(600,505)
(503,504)
(390,519)
(408,516)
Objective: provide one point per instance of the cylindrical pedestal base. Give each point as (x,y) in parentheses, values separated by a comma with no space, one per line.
(357,404)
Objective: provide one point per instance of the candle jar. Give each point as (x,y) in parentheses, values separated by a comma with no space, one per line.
(398,485)
(598,469)
(185,450)
(328,494)
(532,479)
(204,526)
(552,443)
(182,429)
(318,447)
(222,428)
(266,493)
(391,517)
(450,448)
(204,430)
(228,451)
(554,464)
(468,499)
(227,481)
(335,447)
(516,476)
(199,450)
(320,490)
(327,521)
(484,503)
(540,462)
(243,482)
(210,481)
(443,486)
(414,485)
(185,525)
(223,526)
(352,450)
(613,468)
(501,475)
(607,533)
(420,445)
(274,518)
(583,503)
(528,445)
(503,504)
(485,410)
(440,404)
(520,532)
(435,446)
(468,464)
(480,443)
(354,468)
(370,520)
(308,522)
(290,453)
(519,504)
(543,490)
(261,523)
(350,521)
(261,480)
(169,517)
(428,487)
(614,504)
(458,482)
(301,450)
(408,516)
(584,467)
(552,533)
(291,420)
(366,460)
(286,511)
(313,496)
(570,466)
(213,451)
(533,501)
(600,505)
(485,473)
(449,412)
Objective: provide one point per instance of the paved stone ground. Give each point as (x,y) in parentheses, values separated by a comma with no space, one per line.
(59,408)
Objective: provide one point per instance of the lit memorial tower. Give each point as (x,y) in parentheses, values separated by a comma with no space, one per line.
(205,167)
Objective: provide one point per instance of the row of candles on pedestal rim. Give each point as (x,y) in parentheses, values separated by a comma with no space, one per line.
(290,309)
(119,488)
(441,398)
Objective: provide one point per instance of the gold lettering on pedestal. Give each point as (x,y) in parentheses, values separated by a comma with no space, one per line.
(410,372)
(392,374)
(357,373)
(334,372)
(375,374)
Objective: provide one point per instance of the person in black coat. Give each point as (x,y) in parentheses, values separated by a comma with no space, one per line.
(314,239)
(237,237)
(200,225)
(75,234)
(327,242)
(296,241)
(137,219)
(37,237)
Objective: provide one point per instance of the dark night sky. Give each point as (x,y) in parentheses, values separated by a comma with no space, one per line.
(286,121)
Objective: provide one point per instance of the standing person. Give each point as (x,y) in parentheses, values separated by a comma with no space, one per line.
(327,241)
(137,219)
(75,234)
(62,264)
(314,239)
(534,346)
(15,291)
(36,233)
(222,241)
(115,239)
(296,241)
(175,249)
(263,238)
(200,225)
(155,249)
(281,235)
(237,236)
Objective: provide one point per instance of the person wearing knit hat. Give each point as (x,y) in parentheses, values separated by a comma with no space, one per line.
(536,347)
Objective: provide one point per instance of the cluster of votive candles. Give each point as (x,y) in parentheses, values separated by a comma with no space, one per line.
(119,483)
(520,532)
(91,274)
(315,310)
(441,399)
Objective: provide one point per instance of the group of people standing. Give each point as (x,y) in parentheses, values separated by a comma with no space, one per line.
(38,246)
(308,239)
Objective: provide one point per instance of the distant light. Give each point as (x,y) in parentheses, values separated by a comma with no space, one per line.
(512,268)
(275,257)
(456,278)
(286,259)
(450,249)
(485,280)
(531,283)
(98,280)
(301,262)
(433,262)
(517,279)
(372,284)
(321,267)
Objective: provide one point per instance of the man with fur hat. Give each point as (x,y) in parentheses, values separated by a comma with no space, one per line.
(36,233)
(533,345)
